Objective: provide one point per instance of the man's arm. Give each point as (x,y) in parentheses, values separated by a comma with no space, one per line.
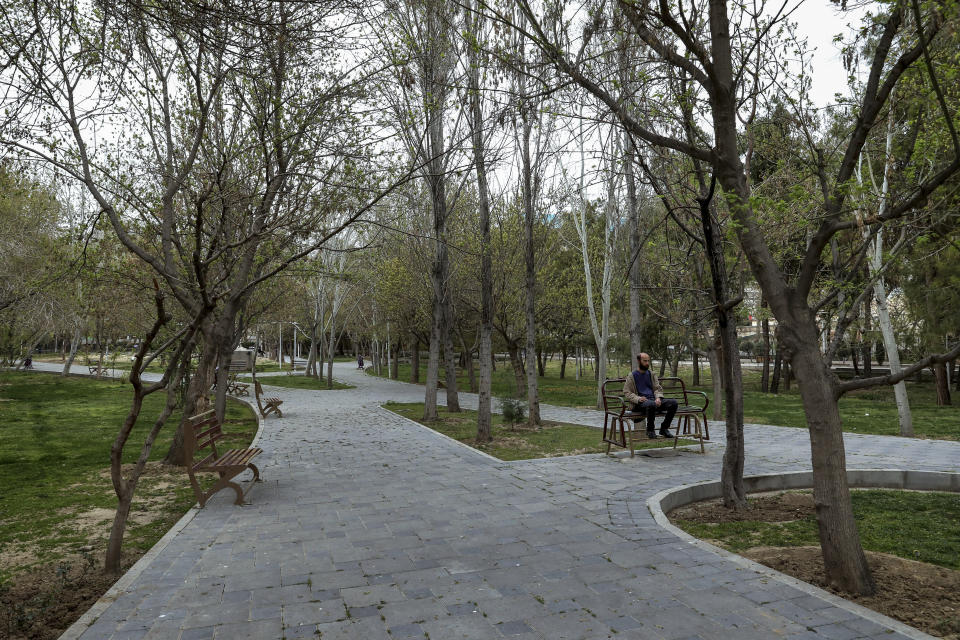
(630,391)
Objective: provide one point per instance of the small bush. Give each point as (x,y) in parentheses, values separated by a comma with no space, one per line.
(514,411)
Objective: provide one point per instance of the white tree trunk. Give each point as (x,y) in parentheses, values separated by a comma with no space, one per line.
(874,264)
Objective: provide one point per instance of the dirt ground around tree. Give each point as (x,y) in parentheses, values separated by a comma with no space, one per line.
(41,602)
(921,595)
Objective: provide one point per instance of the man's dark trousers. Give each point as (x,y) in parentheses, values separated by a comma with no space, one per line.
(667,406)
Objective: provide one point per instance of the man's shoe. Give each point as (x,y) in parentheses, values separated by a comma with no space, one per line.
(665,433)
(651,434)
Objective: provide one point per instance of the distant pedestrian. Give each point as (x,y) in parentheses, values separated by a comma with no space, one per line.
(359,361)
(28,363)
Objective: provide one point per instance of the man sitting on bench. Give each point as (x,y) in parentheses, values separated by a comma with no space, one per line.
(643,391)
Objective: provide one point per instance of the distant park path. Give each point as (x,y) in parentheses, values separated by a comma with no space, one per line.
(369,526)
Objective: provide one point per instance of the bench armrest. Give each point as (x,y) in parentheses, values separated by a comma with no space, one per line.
(706,400)
(614,404)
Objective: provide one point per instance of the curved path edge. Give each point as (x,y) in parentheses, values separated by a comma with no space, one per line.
(672,498)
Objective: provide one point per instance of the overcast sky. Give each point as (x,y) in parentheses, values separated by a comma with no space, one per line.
(819,21)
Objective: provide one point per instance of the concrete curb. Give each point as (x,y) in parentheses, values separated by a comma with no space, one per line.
(669,499)
(446,437)
(84,622)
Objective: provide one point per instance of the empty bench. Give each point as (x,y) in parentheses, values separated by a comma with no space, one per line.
(202,432)
(265,404)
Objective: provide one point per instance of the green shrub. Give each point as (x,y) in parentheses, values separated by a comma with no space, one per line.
(514,411)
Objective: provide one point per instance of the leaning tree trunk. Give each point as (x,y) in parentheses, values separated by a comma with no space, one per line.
(74,343)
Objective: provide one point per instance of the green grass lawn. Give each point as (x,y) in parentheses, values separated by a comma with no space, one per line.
(55,438)
(910,524)
(870,411)
(297,381)
(518,443)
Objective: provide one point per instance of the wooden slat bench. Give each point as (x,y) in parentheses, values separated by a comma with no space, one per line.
(267,405)
(235,387)
(202,432)
(618,419)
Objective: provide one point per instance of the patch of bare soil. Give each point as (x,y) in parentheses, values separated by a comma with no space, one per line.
(921,595)
(41,604)
(42,601)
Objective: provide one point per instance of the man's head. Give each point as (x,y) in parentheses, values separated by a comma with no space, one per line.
(643,361)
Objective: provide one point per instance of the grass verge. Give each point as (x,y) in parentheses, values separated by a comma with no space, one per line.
(517,442)
(869,411)
(57,500)
(298,381)
(915,525)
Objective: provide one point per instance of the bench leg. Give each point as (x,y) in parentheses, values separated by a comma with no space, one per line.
(223,483)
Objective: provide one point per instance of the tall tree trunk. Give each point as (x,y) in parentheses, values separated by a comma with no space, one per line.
(716,379)
(519,374)
(765,376)
(433,361)
(530,279)
(731,476)
(450,355)
(845,562)
(563,361)
(395,363)
(874,265)
(415,360)
(867,345)
(777,368)
(636,318)
(695,359)
(940,380)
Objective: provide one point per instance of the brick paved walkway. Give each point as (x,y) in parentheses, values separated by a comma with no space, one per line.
(370,526)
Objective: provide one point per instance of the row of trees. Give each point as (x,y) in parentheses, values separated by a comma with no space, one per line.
(490,175)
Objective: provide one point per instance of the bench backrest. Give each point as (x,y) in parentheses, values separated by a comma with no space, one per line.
(674,388)
(202,431)
(613,391)
(613,394)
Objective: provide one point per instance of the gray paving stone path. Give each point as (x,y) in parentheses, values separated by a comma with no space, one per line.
(370,526)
